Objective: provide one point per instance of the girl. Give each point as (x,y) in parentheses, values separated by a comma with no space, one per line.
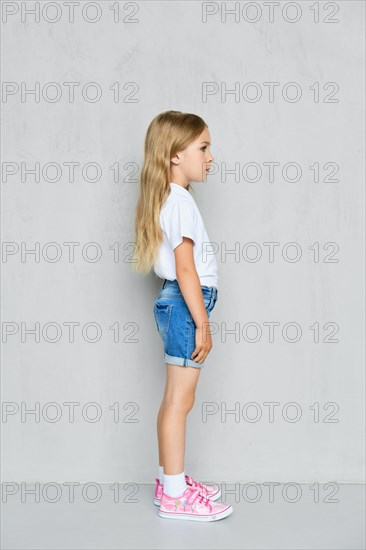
(171,238)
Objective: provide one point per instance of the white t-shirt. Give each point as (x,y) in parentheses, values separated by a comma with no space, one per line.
(180,217)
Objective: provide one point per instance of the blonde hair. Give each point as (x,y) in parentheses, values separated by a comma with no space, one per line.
(168,133)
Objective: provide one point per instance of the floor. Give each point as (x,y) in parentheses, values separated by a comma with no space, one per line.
(123,516)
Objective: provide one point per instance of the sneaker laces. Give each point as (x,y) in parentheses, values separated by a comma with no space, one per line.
(198,485)
(195,492)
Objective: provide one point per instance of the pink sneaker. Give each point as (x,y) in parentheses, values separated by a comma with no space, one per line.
(192,505)
(212,492)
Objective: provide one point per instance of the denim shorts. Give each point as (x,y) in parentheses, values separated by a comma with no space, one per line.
(175,323)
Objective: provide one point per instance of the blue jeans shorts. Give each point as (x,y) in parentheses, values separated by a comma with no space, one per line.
(175,323)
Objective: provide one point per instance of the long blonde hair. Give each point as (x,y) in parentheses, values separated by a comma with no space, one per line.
(168,133)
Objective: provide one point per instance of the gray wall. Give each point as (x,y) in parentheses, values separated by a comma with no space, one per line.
(313,290)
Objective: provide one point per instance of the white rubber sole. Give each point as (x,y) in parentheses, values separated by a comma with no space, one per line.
(216,497)
(215,517)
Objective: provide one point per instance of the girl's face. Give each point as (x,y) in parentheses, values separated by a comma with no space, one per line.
(192,164)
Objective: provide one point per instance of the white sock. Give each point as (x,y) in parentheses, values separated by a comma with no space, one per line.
(161,474)
(175,485)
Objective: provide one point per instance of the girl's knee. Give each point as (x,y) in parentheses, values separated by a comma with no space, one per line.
(183,403)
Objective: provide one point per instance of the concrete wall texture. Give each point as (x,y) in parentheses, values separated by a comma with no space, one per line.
(281,87)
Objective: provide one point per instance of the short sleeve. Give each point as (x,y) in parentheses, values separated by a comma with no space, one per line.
(179,222)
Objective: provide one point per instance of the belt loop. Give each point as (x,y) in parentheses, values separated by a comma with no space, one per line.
(163,284)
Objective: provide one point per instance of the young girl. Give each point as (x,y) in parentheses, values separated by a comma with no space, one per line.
(171,238)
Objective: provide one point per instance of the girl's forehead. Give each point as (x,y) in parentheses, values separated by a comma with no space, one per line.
(204,137)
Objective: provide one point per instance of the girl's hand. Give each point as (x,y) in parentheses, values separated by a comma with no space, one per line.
(203,343)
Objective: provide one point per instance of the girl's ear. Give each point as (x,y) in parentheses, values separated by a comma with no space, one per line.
(175,159)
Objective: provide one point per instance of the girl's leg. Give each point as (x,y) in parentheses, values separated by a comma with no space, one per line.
(178,400)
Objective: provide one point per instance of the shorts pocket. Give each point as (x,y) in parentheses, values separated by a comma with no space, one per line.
(162,314)
(209,303)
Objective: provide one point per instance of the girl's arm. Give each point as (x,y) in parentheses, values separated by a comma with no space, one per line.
(190,286)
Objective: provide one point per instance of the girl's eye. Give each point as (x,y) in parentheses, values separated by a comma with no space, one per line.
(204,148)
